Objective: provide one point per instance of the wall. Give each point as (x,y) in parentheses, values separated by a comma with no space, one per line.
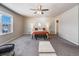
(18,26)
(78,24)
(30,21)
(69,25)
(52,27)
(57,25)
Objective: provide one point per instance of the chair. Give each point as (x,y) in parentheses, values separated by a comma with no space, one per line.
(7,50)
(35,29)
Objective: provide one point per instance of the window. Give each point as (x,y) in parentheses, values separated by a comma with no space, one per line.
(6,23)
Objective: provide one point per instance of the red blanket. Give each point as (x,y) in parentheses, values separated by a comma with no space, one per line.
(40,32)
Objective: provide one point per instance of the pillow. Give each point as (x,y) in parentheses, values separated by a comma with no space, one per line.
(36,28)
(44,29)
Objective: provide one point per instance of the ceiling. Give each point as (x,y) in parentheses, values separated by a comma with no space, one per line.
(54,8)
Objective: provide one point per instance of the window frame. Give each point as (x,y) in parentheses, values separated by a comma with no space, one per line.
(6,14)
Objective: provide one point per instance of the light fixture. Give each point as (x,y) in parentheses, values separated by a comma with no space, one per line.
(39,24)
(39,10)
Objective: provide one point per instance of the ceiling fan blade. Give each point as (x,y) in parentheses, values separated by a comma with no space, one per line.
(45,10)
(34,9)
(35,12)
(40,7)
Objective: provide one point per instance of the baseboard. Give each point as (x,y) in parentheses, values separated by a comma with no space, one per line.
(68,42)
(26,34)
(11,39)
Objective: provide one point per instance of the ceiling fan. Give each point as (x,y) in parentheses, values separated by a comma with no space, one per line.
(39,10)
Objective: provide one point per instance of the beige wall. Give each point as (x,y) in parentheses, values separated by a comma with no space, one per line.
(69,25)
(18,26)
(52,27)
(57,26)
(30,21)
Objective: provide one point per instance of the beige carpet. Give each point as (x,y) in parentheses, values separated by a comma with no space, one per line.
(46,49)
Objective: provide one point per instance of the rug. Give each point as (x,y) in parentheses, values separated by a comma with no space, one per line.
(46,49)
